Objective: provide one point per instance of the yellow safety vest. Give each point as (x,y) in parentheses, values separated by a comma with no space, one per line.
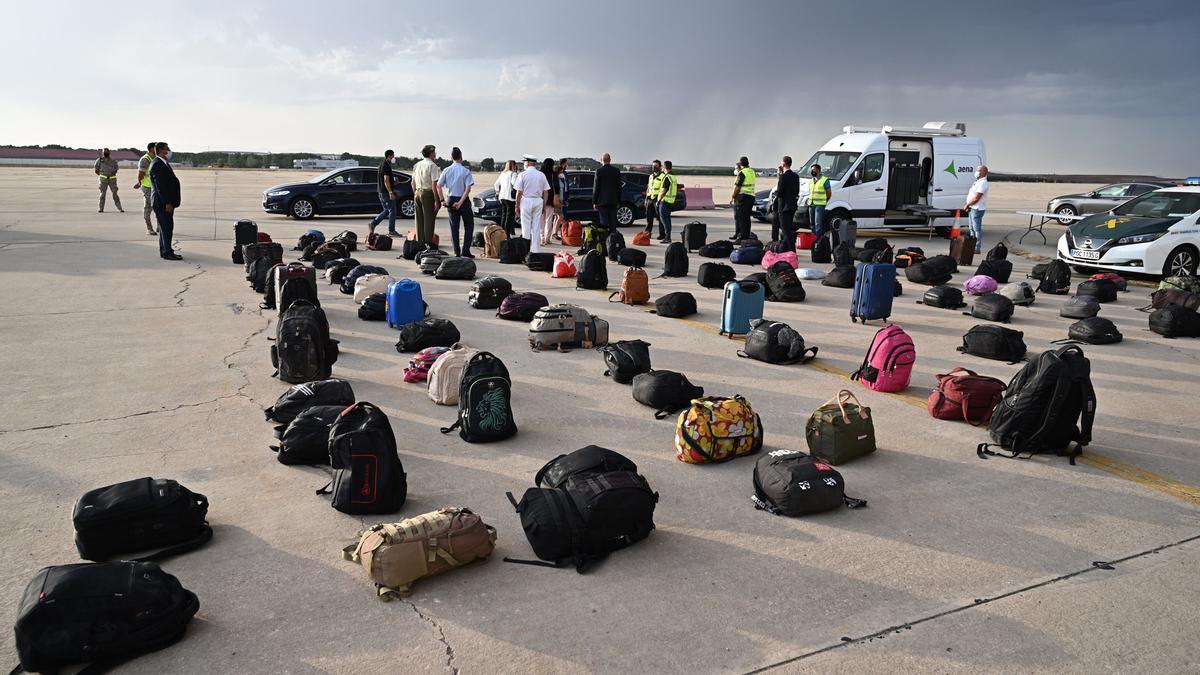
(146,176)
(748,179)
(672,188)
(816,191)
(655,185)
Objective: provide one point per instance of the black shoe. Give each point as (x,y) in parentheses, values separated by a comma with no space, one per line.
(393,233)
(468,255)
(734,238)
(172,256)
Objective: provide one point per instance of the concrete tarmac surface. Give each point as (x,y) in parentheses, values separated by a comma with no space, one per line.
(121,365)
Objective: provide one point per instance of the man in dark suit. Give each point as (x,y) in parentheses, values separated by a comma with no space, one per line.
(606,193)
(787,192)
(166,199)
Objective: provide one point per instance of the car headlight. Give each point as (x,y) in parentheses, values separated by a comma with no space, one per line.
(278,193)
(1140,238)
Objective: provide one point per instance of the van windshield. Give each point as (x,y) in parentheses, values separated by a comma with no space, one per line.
(834,165)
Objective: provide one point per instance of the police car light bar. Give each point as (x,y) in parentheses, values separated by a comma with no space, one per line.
(1192,180)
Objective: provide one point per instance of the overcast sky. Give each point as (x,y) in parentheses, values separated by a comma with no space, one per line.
(1084,86)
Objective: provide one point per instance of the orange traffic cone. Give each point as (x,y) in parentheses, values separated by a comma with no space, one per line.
(955,231)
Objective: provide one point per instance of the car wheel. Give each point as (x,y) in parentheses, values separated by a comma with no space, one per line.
(408,208)
(624,215)
(303,208)
(1181,262)
(1066,210)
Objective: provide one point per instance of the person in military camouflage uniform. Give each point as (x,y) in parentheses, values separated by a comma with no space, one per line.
(106,168)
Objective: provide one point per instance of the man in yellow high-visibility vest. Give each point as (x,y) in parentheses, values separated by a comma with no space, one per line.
(819,193)
(106,169)
(147,188)
(743,198)
(653,186)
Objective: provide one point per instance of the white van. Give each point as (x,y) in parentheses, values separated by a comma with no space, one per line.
(897,177)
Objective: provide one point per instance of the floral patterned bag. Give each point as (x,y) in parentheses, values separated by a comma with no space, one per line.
(717,429)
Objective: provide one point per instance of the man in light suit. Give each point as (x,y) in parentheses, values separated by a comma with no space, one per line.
(166,199)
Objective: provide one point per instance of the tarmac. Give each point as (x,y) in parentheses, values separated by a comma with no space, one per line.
(122,365)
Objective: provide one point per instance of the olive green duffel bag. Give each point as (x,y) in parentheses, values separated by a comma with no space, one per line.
(840,430)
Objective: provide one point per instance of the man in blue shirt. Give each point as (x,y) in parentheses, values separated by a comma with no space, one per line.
(455,187)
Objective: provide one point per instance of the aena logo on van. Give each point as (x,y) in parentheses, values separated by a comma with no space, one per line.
(954,171)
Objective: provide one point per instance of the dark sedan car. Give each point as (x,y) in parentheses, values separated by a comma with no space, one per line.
(763,205)
(338,192)
(578,205)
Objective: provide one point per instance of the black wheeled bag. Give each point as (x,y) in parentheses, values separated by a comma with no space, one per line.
(666,391)
(418,335)
(992,307)
(303,396)
(792,483)
(943,297)
(675,305)
(157,517)
(306,439)
(776,342)
(368,476)
(715,275)
(994,342)
(626,359)
(99,613)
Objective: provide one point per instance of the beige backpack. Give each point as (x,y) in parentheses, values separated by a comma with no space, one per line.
(493,234)
(369,284)
(397,554)
(446,373)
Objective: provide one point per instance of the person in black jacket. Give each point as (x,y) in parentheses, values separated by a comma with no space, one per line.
(606,193)
(787,192)
(166,199)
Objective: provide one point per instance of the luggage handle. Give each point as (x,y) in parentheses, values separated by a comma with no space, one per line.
(842,398)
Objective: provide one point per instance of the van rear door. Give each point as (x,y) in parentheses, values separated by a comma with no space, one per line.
(953,171)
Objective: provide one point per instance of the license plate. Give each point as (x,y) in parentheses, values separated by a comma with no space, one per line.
(1086,255)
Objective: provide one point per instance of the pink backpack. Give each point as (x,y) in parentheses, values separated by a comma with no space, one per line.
(889,362)
(564,265)
(770,258)
(422,361)
(980,284)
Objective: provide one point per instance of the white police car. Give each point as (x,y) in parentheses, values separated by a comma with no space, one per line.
(1157,233)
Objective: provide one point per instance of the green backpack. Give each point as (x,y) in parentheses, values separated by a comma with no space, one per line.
(1186,282)
(841,430)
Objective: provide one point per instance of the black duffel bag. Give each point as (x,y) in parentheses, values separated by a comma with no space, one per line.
(666,391)
(841,276)
(155,517)
(632,257)
(675,305)
(425,333)
(994,342)
(791,483)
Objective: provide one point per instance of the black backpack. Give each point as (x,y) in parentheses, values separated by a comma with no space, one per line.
(843,254)
(1104,290)
(513,250)
(1038,271)
(784,284)
(348,239)
(996,268)
(374,307)
(822,251)
(137,516)
(994,342)
(585,517)
(675,261)
(305,440)
(303,350)
(455,268)
(252,252)
(521,306)
(875,244)
(353,275)
(998,252)
(540,262)
(489,292)
(260,274)
(632,257)
(1095,330)
(330,250)
(304,396)
(759,278)
(593,272)
(943,297)
(102,613)
(666,391)
(411,248)
(718,249)
(306,240)
(715,275)
(418,335)
(626,359)
(841,276)
(430,260)
(928,273)
(1042,404)
(944,263)
(614,245)
(693,235)
(675,305)
(484,401)
(1174,321)
(380,242)
(776,342)
(1056,279)
(335,270)
(791,483)
(295,288)
(992,307)
(590,459)
(367,474)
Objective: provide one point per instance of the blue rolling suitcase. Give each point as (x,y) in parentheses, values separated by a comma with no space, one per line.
(874,287)
(743,303)
(404,303)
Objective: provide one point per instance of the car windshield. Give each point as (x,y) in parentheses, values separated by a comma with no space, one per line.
(1161,204)
(834,165)
(324,176)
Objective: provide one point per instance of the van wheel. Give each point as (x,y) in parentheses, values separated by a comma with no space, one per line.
(942,231)
(1181,262)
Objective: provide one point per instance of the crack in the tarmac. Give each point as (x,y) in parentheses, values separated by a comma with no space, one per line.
(441,636)
(1092,567)
(187,285)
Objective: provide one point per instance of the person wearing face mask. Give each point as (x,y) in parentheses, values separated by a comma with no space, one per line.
(742,199)
(787,192)
(106,169)
(977,205)
(166,199)
(819,193)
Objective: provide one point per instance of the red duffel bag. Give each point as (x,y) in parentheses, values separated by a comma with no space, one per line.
(966,395)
